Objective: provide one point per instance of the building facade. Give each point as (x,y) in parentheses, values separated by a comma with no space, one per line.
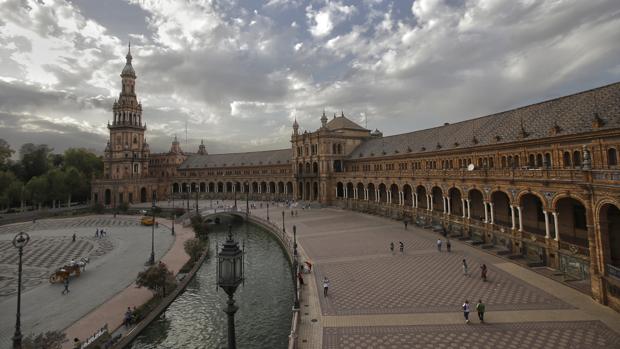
(539,184)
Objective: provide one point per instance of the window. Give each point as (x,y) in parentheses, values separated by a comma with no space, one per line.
(612,157)
(547,161)
(539,160)
(579,214)
(503,162)
(531,161)
(566,160)
(576,158)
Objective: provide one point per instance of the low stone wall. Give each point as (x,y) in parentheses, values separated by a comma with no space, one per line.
(131,335)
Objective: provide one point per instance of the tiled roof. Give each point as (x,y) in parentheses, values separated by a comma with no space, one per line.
(268,157)
(573,114)
(341,122)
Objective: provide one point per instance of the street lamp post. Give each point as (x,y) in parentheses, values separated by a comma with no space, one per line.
(247,203)
(229,277)
(295,268)
(267,211)
(152,257)
(19,241)
(283,226)
(235,194)
(197,191)
(174,214)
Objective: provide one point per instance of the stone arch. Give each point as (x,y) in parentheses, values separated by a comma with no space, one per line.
(289,188)
(382,192)
(532,211)
(501,208)
(211,187)
(572,221)
(272,187)
(175,187)
(476,204)
(339,190)
(280,187)
(407,195)
(360,191)
(143,194)
(608,221)
(203,187)
(456,206)
(220,187)
(107,197)
(526,192)
(421,193)
(394,193)
(438,203)
(349,190)
(371,192)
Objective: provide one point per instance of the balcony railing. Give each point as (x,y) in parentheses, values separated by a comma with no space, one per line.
(613,271)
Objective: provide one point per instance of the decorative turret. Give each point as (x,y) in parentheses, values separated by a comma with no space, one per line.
(176,147)
(202,150)
(295,127)
(323,119)
(376,133)
(127,110)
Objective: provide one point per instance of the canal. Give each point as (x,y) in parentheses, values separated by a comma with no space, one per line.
(196,320)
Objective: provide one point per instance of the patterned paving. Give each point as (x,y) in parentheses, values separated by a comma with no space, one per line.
(50,224)
(422,283)
(570,334)
(45,254)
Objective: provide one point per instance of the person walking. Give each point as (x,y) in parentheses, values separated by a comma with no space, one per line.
(448,245)
(465,267)
(97,233)
(406,223)
(402,247)
(392,247)
(73,238)
(480,309)
(439,245)
(127,319)
(325,286)
(66,283)
(483,272)
(466,311)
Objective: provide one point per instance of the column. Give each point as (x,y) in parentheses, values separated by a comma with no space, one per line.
(402,198)
(377,197)
(336,191)
(389,197)
(512,215)
(285,189)
(346,192)
(430,199)
(556,225)
(415,200)
(448,205)
(355,193)
(443,201)
(486,212)
(366,194)
(547,235)
(492,214)
(468,208)
(520,209)
(463,204)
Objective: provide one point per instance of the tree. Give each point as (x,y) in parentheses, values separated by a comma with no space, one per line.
(37,188)
(34,160)
(74,180)
(84,161)
(57,186)
(5,153)
(193,247)
(6,178)
(157,278)
(47,340)
(15,193)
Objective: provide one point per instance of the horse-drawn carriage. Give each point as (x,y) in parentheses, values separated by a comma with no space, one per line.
(73,268)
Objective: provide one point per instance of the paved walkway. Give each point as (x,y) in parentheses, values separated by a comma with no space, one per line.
(115,260)
(380,299)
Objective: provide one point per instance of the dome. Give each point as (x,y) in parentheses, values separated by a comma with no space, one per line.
(128,70)
(376,133)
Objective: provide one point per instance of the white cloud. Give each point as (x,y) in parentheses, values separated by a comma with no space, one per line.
(323,20)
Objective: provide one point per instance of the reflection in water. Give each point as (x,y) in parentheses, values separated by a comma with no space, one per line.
(196,318)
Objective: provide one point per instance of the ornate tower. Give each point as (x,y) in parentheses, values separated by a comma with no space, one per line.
(127,153)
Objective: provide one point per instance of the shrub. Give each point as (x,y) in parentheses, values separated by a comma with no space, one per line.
(193,247)
(157,278)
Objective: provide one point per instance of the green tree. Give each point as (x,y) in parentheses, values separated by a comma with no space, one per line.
(57,186)
(37,189)
(34,160)
(193,247)
(5,153)
(75,183)
(6,178)
(84,161)
(157,278)
(15,192)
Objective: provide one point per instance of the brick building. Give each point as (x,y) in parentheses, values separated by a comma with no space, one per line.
(540,183)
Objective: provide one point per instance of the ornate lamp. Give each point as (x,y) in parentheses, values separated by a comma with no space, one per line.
(19,241)
(229,277)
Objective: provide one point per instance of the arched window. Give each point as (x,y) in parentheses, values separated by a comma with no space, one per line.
(612,157)
(576,158)
(490,162)
(503,162)
(531,161)
(547,161)
(516,161)
(539,160)
(566,160)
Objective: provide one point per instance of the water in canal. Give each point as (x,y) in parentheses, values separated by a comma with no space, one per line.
(196,320)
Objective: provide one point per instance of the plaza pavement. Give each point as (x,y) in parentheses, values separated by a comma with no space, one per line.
(115,261)
(382,300)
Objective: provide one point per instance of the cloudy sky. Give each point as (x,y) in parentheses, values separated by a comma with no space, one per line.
(237,72)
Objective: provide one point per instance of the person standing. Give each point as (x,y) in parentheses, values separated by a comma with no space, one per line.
(466,311)
(439,245)
(465,267)
(406,223)
(392,247)
(325,286)
(97,233)
(483,272)
(127,319)
(402,247)
(73,238)
(448,245)
(66,283)
(480,307)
